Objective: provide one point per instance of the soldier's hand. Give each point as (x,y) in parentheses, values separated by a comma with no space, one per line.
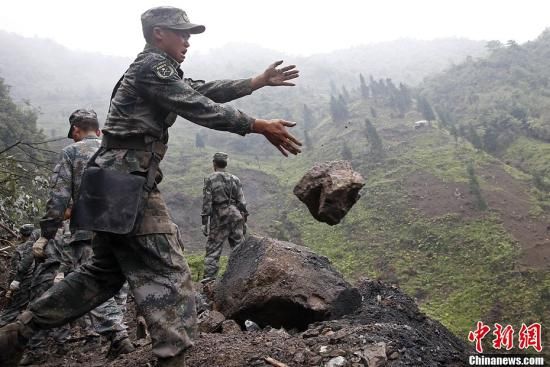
(38,248)
(204,229)
(58,277)
(14,285)
(275,131)
(276,77)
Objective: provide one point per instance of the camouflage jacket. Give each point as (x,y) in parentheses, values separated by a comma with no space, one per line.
(22,260)
(58,258)
(153,92)
(223,199)
(146,103)
(65,185)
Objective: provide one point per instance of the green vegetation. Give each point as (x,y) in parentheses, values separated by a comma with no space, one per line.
(461,266)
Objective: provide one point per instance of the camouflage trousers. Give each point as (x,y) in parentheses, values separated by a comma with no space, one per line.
(108,318)
(43,280)
(18,303)
(159,280)
(233,233)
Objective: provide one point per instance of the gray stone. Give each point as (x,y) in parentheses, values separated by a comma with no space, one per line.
(282,285)
(210,321)
(336,362)
(230,327)
(329,190)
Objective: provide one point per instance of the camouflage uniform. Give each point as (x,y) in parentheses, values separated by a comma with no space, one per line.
(144,105)
(224,204)
(107,318)
(21,270)
(57,260)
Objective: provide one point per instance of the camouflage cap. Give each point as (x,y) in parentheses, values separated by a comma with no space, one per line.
(220,157)
(79,115)
(26,229)
(168,17)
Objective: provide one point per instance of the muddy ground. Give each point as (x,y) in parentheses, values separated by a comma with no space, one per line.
(386,316)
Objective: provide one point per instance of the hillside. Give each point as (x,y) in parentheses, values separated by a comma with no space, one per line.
(420,223)
(501,103)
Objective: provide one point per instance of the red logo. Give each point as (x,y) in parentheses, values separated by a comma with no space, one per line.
(529,336)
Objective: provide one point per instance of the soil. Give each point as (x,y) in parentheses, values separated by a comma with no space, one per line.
(386,316)
(434,197)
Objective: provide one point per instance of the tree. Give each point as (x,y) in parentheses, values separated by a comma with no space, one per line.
(338,109)
(425,109)
(454,132)
(374,140)
(474,137)
(25,162)
(307,116)
(373,112)
(364,88)
(490,140)
(345,94)
(307,140)
(346,152)
(474,187)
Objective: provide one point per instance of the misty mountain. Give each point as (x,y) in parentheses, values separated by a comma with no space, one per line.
(57,80)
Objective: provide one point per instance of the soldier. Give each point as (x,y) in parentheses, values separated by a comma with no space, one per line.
(107,318)
(224,214)
(55,262)
(137,240)
(20,276)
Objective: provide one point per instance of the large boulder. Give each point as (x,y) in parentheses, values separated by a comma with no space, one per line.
(329,190)
(281,284)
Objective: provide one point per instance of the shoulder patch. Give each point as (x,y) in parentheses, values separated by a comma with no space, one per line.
(164,69)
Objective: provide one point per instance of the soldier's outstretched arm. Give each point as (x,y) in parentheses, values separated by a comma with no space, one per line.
(174,94)
(222,91)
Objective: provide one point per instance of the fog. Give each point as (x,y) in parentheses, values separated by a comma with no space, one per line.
(295,27)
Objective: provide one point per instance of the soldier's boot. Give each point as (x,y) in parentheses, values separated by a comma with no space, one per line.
(33,358)
(141,328)
(176,361)
(118,347)
(91,343)
(13,339)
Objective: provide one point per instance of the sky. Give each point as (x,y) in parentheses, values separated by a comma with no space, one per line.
(295,27)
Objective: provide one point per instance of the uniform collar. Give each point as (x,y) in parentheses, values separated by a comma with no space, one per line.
(90,137)
(152,49)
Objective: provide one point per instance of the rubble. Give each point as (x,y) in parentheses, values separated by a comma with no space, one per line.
(210,321)
(281,284)
(329,190)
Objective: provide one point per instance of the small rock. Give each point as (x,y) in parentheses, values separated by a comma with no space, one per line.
(230,327)
(210,321)
(375,354)
(251,326)
(311,333)
(315,360)
(299,358)
(323,349)
(336,362)
(337,353)
(393,355)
